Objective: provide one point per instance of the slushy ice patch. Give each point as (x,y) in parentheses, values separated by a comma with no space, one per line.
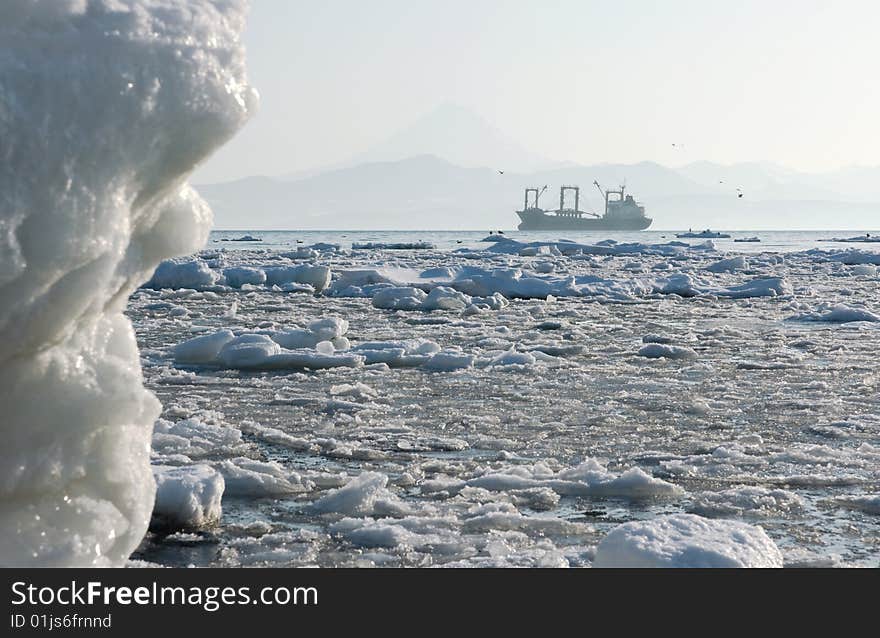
(105,109)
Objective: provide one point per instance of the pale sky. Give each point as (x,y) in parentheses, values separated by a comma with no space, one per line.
(793,82)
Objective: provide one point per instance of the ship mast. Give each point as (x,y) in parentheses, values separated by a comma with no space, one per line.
(577,195)
(537,193)
(604,195)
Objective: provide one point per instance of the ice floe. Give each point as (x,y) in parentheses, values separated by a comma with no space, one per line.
(837,313)
(747,501)
(187,498)
(589,478)
(687,541)
(664,351)
(364,495)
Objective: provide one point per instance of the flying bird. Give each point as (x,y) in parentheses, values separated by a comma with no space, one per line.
(500,172)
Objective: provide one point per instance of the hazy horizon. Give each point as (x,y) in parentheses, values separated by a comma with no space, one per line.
(572,82)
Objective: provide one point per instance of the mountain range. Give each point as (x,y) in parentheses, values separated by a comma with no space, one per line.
(452,170)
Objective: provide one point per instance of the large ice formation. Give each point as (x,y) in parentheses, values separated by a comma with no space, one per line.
(105,108)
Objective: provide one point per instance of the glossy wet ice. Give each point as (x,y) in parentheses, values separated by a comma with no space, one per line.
(527,460)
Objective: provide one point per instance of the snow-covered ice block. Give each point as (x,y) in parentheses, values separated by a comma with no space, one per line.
(534,251)
(732,264)
(193,273)
(195,438)
(238,276)
(444,298)
(246,477)
(318,277)
(372,533)
(747,500)
(838,313)
(589,478)
(853,257)
(364,495)
(664,351)
(107,107)
(248,351)
(187,498)
(513,358)
(328,328)
(687,541)
(449,361)
(297,338)
(399,298)
(202,350)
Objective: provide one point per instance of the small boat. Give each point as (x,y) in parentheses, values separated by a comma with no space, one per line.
(705,234)
(742,240)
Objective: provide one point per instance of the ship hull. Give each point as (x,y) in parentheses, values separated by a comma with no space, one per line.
(538,220)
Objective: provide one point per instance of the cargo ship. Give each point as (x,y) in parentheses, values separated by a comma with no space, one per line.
(622,212)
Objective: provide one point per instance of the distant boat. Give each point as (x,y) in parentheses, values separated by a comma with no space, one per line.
(243,238)
(747,239)
(621,212)
(705,234)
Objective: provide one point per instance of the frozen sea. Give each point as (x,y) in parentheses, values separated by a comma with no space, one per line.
(510,403)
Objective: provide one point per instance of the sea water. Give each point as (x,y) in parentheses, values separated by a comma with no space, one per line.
(775,240)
